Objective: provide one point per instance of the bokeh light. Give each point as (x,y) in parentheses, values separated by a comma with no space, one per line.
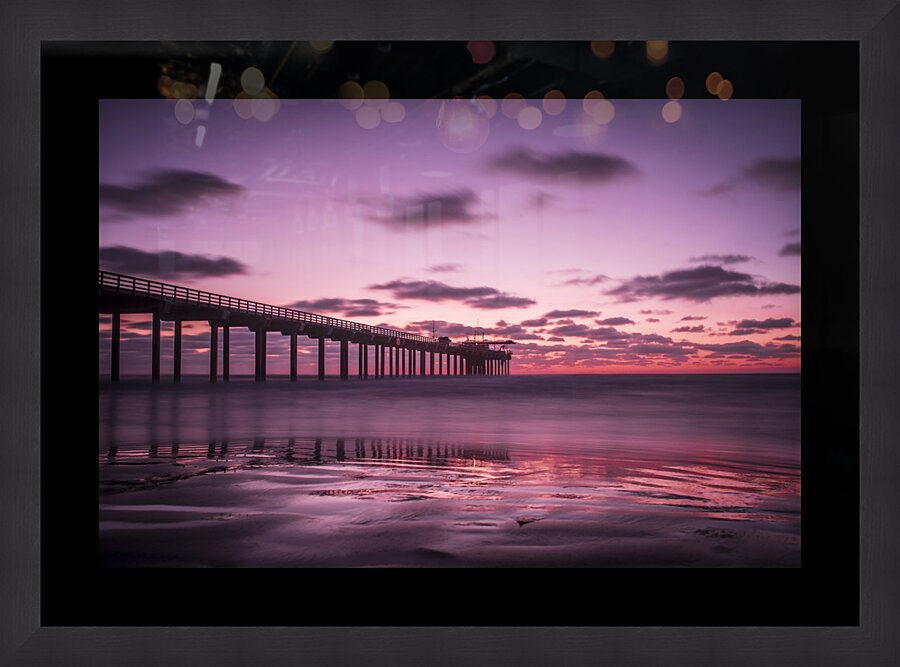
(184,111)
(712,82)
(601,110)
(368,117)
(675,88)
(482,52)
(603,49)
(243,106)
(488,104)
(671,111)
(512,104)
(530,118)
(725,90)
(376,94)
(252,81)
(463,127)
(554,102)
(393,112)
(164,86)
(322,45)
(657,51)
(265,105)
(351,95)
(181,90)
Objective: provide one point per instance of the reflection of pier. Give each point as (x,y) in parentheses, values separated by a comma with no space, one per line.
(261,451)
(393,353)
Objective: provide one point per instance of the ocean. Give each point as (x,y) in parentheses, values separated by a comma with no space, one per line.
(512,471)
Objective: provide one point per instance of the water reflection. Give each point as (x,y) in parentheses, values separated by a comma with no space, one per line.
(280,451)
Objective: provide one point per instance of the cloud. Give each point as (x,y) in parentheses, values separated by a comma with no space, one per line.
(444,268)
(790,249)
(746,332)
(746,348)
(688,329)
(423,210)
(168,264)
(434,290)
(777,174)
(721,259)
(656,312)
(501,301)
(693,318)
(534,323)
(457,330)
(716,190)
(788,337)
(164,193)
(770,323)
(607,333)
(699,284)
(615,321)
(346,307)
(652,319)
(571,330)
(592,167)
(556,314)
(589,281)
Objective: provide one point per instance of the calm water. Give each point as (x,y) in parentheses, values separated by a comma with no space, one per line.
(504,471)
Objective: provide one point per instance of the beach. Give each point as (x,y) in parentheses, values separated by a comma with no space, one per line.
(519,471)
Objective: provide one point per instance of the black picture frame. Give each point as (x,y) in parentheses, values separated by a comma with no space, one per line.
(876,25)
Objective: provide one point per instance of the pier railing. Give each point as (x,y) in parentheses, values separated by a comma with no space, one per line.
(124,284)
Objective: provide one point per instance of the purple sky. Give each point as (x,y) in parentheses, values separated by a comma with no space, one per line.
(651,226)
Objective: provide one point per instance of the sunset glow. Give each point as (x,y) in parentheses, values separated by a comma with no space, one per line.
(603,236)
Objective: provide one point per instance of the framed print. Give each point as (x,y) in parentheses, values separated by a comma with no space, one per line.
(297,229)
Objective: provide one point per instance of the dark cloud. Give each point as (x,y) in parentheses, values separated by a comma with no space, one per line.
(690,329)
(656,312)
(775,174)
(444,268)
(607,333)
(164,192)
(168,264)
(556,314)
(652,319)
(693,318)
(534,323)
(457,330)
(556,339)
(433,290)
(571,330)
(345,307)
(746,332)
(588,282)
(721,259)
(770,323)
(615,321)
(501,301)
(746,348)
(778,174)
(593,167)
(699,284)
(790,249)
(788,337)
(424,210)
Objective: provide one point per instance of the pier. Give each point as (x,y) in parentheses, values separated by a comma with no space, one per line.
(387,353)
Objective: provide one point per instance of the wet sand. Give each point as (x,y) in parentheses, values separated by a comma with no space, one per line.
(380,502)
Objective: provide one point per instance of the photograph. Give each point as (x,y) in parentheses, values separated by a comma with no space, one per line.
(527,322)
(462,333)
